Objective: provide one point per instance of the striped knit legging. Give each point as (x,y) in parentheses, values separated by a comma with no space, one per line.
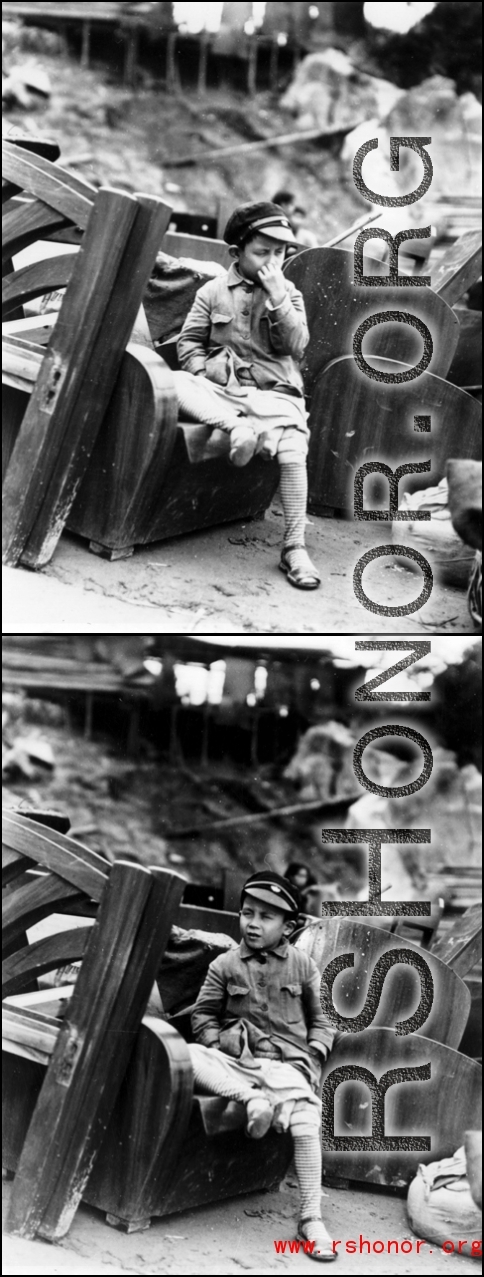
(210,1076)
(196,399)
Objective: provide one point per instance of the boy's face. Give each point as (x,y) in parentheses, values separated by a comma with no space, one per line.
(262,926)
(260,251)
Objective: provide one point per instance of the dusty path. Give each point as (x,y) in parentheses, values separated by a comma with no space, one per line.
(233,1237)
(231,573)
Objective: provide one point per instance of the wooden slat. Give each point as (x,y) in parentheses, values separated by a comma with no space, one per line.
(460,267)
(35,280)
(75,449)
(198,247)
(44,955)
(13,865)
(93,1048)
(82,868)
(32,902)
(24,223)
(62,191)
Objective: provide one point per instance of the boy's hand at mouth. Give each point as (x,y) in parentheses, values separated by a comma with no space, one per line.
(272,279)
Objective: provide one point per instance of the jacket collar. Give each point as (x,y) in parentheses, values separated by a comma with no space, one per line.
(234,277)
(280,952)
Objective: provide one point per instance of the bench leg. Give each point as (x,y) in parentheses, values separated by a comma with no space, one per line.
(110,551)
(128,1225)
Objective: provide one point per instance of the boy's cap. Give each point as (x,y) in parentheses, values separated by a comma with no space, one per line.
(272,889)
(269,219)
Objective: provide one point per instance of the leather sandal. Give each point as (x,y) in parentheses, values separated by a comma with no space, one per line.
(314,1230)
(306,578)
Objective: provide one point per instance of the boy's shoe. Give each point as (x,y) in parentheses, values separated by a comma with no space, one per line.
(313,1230)
(259,1117)
(296,564)
(243,442)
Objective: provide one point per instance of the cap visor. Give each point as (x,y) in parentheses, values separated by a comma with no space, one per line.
(277,232)
(269,898)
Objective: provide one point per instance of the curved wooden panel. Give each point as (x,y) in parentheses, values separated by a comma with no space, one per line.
(36,279)
(353,420)
(32,902)
(119,497)
(84,869)
(135,1164)
(442,1107)
(22,224)
(336,307)
(401,990)
(62,191)
(44,955)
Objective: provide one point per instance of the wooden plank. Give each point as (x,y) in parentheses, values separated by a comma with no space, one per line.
(32,902)
(35,280)
(42,956)
(23,223)
(62,191)
(460,266)
(194,917)
(379,425)
(83,868)
(60,387)
(93,1048)
(13,865)
(65,465)
(198,247)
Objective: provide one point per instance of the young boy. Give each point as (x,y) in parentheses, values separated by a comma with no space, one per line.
(240,349)
(262,1037)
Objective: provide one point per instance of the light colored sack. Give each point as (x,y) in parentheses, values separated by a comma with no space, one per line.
(436,537)
(439,1204)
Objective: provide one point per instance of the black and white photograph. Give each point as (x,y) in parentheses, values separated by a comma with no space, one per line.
(242,317)
(242,954)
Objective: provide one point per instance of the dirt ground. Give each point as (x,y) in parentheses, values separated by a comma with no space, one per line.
(230,574)
(234,1236)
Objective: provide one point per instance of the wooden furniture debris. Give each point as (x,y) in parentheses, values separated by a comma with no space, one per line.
(440,1106)
(337,392)
(145,1135)
(133,475)
(78,373)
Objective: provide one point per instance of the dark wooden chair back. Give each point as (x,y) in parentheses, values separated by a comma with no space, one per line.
(447,1017)
(335,308)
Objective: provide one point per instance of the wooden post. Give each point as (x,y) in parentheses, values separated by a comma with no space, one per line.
(273,67)
(202,65)
(172,77)
(86,40)
(131,56)
(93,1048)
(88,716)
(252,68)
